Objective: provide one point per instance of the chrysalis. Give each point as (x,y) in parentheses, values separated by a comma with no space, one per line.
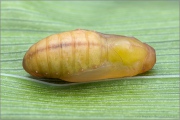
(83,55)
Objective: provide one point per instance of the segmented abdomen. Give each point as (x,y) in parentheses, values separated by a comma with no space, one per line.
(66,54)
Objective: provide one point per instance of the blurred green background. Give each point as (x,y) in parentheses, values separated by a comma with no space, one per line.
(152,95)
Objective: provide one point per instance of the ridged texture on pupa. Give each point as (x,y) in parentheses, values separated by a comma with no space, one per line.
(83,55)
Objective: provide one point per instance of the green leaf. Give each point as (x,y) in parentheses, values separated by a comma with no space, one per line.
(152,95)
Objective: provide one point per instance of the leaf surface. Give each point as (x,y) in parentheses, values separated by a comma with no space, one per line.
(152,95)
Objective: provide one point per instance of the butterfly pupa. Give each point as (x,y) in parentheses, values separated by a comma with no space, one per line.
(84,55)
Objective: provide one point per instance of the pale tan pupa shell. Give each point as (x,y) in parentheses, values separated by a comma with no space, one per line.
(83,55)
